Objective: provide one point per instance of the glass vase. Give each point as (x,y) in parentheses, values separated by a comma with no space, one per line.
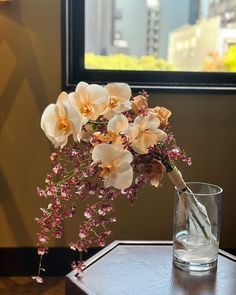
(197,212)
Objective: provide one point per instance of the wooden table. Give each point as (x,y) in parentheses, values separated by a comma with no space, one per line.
(22,285)
(146,268)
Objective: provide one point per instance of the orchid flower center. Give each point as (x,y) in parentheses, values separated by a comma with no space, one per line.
(113,102)
(86,109)
(110,136)
(106,170)
(64,125)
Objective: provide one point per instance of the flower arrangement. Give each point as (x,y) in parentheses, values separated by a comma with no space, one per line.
(119,145)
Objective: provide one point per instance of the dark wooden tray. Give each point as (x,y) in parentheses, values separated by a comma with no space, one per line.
(146,268)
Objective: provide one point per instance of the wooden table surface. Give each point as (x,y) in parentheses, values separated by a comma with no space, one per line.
(26,286)
(146,268)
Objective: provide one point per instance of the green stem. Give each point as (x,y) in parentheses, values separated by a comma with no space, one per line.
(67,177)
(40,264)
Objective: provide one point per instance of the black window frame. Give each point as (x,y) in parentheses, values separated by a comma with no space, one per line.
(73,70)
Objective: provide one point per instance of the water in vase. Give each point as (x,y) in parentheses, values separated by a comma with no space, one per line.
(195,252)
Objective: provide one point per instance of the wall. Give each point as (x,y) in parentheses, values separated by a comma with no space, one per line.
(30,79)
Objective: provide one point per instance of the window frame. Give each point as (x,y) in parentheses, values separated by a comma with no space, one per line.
(73,70)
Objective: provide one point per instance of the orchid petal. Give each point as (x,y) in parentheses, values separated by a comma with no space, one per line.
(97,109)
(75,119)
(97,94)
(74,97)
(81,89)
(108,113)
(146,140)
(132,131)
(107,153)
(147,122)
(49,119)
(118,123)
(125,106)
(63,96)
(120,90)
(121,178)
(121,155)
(103,153)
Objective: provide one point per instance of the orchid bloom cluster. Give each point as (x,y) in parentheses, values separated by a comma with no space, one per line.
(119,144)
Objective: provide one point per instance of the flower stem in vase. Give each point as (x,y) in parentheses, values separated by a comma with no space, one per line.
(191,210)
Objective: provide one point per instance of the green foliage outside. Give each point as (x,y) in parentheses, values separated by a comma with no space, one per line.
(125,62)
(122,61)
(229,59)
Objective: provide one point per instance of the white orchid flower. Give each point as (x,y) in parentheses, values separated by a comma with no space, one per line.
(115,164)
(119,95)
(90,100)
(145,133)
(117,124)
(60,120)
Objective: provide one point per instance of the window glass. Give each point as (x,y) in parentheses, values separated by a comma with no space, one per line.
(162,35)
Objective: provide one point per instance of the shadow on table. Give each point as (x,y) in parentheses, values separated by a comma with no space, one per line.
(194,282)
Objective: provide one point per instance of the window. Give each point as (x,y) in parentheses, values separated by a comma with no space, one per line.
(193,49)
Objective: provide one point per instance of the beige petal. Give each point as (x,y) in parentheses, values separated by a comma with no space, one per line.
(111,154)
(97,110)
(121,155)
(108,113)
(97,95)
(60,100)
(139,146)
(74,97)
(62,97)
(146,140)
(75,119)
(82,87)
(60,141)
(82,92)
(120,90)
(121,177)
(49,119)
(132,131)
(146,122)
(125,106)
(153,122)
(118,123)
(103,153)
(159,134)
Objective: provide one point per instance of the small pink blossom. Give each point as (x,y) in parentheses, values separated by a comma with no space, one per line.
(54,156)
(73,246)
(42,238)
(41,193)
(38,279)
(58,234)
(82,235)
(174,154)
(101,242)
(87,214)
(170,138)
(58,168)
(42,250)
(79,266)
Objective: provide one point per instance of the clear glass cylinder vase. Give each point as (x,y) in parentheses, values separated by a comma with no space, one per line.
(197,214)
